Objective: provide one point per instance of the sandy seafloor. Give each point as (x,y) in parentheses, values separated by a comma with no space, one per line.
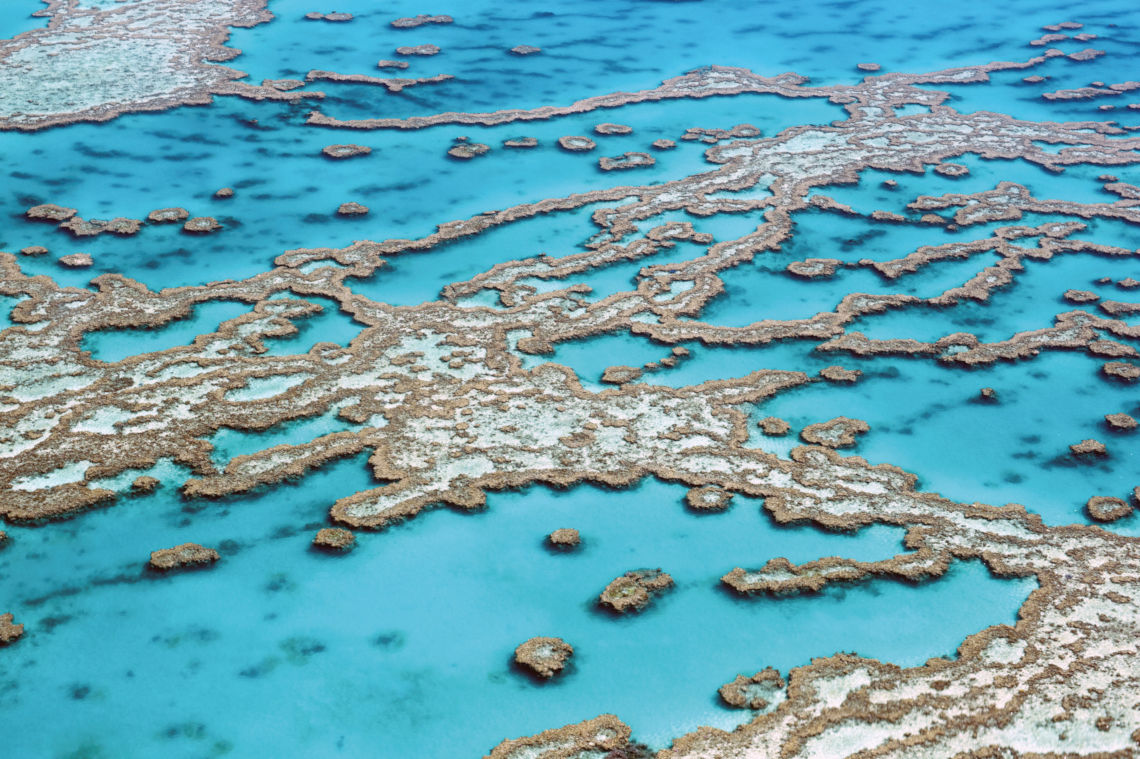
(402,648)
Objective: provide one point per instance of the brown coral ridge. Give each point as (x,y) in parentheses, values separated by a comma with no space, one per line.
(708,498)
(334,540)
(810,268)
(602,735)
(167,215)
(10,632)
(544,657)
(201,225)
(185,556)
(609,128)
(335,17)
(351,208)
(839,432)
(93,227)
(760,692)
(77,260)
(424,50)
(1121,421)
(837,373)
(392,84)
(520,142)
(144,484)
(1107,508)
(576,143)
(564,538)
(50,212)
(345,151)
(1089,447)
(627,160)
(774,426)
(411,22)
(465,151)
(194,34)
(634,590)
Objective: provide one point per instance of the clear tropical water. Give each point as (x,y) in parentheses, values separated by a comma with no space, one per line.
(398,648)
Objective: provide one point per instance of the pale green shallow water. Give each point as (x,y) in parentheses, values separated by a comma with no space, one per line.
(402,647)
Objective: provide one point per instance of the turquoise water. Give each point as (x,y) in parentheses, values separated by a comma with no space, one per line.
(170,664)
(403,643)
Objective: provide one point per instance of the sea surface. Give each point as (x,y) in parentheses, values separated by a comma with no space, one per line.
(403,647)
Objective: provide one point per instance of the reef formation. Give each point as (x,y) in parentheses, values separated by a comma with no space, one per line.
(439,397)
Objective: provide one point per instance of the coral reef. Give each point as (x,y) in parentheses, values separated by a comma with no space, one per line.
(759,692)
(167,215)
(545,657)
(839,432)
(92,227)
(520,142)
(201,225)
(94,63)
(600,736)
(1120,421)
(708,498)
(576,144)
(351,208)
(334,17)
(10,632)
(465,150)
(1089,447)
(524,50)
(810,268)
(837,373)
(77,260)
(1107,508)
(185,556)
(144,484)
(411,22)
(564,537)
(774,426)
(345,151)
(418,50)
(627,160)
(634,590)
(50,212)
(610,128)
(334,539)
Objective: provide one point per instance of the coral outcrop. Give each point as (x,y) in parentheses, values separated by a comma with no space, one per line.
(334,539)
(185,556)
(544,657)
(10,632)
(634,590)
(564,538)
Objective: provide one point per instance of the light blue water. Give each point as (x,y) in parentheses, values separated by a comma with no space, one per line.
(399,646)
(16,17)
(116,344)
(171,664)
